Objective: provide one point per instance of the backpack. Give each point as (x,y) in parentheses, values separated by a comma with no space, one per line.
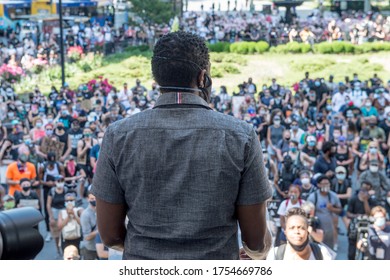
(314,247)
(72,230)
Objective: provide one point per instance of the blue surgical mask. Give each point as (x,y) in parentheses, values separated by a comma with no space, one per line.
(312,143)
(293,149)
(380,222)
(329,107)
(317,83)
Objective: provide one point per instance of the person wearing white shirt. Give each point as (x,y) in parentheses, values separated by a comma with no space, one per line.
(358,96)
(339,99)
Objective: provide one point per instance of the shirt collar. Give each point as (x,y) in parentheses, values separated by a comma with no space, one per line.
(171,98)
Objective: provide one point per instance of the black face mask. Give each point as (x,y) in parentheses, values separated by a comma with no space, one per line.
(60,128)
(287,138)
(26,189)
(299,248)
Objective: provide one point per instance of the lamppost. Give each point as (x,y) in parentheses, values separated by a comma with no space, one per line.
(61,44)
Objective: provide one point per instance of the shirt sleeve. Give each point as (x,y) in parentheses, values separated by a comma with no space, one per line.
(282,208)
(254,184)
(105,184)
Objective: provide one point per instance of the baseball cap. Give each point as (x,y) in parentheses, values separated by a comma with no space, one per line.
(341,169)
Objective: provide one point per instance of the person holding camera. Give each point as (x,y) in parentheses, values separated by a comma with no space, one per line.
(327,204)
(359,204)
(378,240)
(299,246)
(315,231)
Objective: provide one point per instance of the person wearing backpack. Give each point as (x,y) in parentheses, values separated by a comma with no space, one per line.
(298,246)
(293,201)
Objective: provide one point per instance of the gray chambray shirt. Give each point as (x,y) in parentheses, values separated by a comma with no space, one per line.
(182,169)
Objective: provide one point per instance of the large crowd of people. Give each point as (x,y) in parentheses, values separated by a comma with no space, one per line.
(325,141)
(36,48)
(325,144)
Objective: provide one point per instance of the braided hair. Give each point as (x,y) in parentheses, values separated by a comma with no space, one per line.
(178,57)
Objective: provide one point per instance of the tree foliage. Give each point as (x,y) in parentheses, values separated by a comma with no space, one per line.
(153,11)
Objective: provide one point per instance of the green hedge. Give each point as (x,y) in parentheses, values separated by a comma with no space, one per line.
(295,47)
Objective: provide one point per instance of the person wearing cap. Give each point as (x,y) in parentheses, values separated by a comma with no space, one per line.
(55,203)
(380,183)
(20,169)
(8,202)
(327,204)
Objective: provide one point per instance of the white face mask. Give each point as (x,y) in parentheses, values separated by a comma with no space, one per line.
(374,168)
(305,181)
(325,189)
(60,185)
(380,222)
(70,203)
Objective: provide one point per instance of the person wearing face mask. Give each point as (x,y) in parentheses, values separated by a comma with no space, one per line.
(299,158)
(94,154)
(8,202)
(326,163)
(283,145)
(293,201)
(299,246)
(344,154)
(378,236)
(20,169)
(310,147)
(89,228)
(327,204)
(75,134)
(339,99)
(27,196)
(321,130)
(55,203)
(359,205)
(64,117)
(37,132)
(69,222)
(64,138)
(84,147)
(304,181)
(274,134)
(380,183)
(368,110)
(372,153)
(358,95)
(297,134)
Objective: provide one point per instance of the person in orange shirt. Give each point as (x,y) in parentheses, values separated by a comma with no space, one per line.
(20,169)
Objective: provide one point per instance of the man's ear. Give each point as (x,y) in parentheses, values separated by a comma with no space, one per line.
(201,79)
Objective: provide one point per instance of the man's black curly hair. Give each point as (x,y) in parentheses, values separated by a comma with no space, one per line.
(172,57)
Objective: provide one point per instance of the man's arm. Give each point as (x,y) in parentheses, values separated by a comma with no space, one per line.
(111,221)
(254,231)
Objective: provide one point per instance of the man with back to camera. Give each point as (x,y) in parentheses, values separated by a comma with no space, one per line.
(199,173)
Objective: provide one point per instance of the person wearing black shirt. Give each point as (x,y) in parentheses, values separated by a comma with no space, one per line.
(26,194)
(360,204)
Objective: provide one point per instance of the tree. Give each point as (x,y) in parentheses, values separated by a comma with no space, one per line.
(153,11)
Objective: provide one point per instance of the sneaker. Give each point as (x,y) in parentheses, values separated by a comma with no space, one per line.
(48,237)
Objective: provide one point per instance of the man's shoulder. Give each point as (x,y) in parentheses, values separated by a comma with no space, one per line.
(216,120)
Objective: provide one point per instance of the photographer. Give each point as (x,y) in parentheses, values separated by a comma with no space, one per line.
(378,239)
(359,205)
(315,231)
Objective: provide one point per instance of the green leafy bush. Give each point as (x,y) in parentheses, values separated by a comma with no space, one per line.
(219,47)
